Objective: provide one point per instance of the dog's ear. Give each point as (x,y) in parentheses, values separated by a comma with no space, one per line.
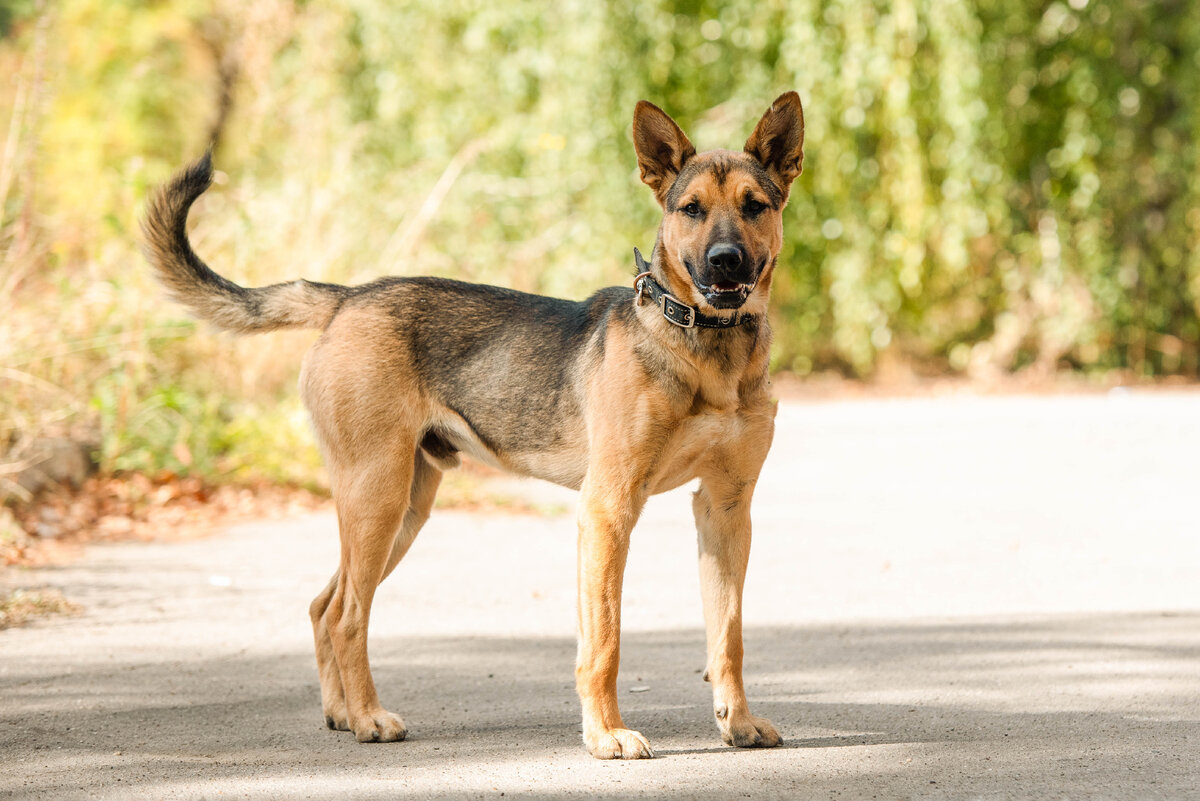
(662,148)
(778,141)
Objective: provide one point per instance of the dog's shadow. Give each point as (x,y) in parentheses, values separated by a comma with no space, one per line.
(805,743)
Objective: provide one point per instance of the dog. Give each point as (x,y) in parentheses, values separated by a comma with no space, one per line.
(629,393)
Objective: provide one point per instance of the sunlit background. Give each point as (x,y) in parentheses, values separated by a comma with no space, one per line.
(991,187)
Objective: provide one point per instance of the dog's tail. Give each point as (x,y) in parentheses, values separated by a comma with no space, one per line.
(214,298)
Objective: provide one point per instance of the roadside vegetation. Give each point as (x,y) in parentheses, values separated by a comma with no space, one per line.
(20,605)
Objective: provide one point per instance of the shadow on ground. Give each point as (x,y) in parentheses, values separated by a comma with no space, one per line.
(1102,706)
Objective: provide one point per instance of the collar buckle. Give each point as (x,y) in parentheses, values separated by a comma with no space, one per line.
(678,313)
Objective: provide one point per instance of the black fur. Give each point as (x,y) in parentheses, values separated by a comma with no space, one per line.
(501,359)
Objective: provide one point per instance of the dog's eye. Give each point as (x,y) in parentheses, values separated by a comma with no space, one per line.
(692,209)
(754,207)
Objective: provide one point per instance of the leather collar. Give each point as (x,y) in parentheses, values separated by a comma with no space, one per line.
(677,312)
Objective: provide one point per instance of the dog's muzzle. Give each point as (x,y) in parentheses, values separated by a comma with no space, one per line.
(726,279)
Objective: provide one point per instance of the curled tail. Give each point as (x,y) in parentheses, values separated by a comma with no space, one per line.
(214,298)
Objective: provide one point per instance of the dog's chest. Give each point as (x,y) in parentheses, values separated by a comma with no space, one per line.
(692,444)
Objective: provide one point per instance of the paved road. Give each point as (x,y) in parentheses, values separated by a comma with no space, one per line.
(949,598)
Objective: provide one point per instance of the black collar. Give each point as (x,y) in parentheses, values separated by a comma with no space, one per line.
(676,312)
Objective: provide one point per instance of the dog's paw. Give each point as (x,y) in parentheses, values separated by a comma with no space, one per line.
(337,720)
(748,731)
(379,726)
(618,744)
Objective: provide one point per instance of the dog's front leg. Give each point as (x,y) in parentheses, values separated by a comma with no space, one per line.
(722,509)
(606,518)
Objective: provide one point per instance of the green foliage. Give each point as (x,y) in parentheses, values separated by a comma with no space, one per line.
(11,11)
(989,186)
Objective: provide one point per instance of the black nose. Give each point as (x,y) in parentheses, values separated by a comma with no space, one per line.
(725,257)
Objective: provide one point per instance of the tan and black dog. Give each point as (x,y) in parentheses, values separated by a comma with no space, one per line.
(626,394)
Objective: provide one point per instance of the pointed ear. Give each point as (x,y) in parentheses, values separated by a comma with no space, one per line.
(662,149)
(778,141)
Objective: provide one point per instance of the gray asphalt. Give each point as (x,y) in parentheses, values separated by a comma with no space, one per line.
(987,598)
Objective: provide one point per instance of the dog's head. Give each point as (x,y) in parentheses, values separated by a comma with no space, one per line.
(722,210)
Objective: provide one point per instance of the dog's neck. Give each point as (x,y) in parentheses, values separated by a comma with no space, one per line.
(740,350)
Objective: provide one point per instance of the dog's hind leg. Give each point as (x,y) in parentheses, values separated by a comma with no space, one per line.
(425,482)
(373,500)
(333,697)
(426,479)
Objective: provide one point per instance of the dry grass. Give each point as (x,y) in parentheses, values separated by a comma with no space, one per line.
(19,606)
(106,509)
(50,527)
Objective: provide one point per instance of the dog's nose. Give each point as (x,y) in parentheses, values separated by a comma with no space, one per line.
(725,257)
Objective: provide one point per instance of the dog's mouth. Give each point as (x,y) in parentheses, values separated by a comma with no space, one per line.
(726,294)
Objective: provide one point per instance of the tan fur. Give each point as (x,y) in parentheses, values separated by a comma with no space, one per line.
(657,406)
